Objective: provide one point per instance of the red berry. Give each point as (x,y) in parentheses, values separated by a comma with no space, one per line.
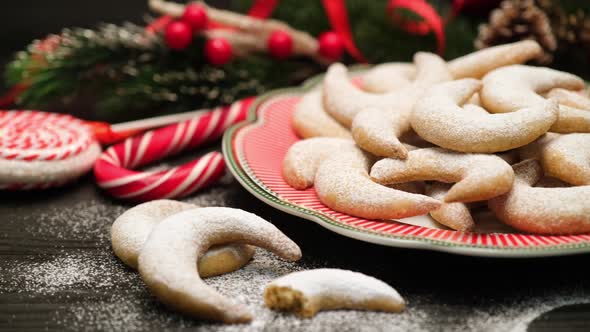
(195,15)
(178,35)
(280,44)
(218,51)
(331,45)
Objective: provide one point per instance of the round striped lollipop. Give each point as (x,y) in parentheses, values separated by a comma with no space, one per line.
(40,149)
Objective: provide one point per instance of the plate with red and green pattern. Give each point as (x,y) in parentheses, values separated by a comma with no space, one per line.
(254,151)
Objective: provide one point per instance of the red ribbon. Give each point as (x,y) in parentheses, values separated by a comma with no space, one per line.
(8,98)
(338,17)
(432,22)
(457,7)
(263,8)
(337,14)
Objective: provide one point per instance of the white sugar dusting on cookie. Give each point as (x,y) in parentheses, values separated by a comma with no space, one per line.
(342,183)
(439,118)
(307,292)
(478,177)
(311,120)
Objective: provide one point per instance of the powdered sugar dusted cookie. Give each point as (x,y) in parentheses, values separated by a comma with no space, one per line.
(304,157)
(576,99)
(478,177)
(130,231)
(307,292)
(387,77)
(377,130)
(515,87)
(342,183)
(343,100)
(311,120)
(454,215)
(477,64)
(542,210)
(511,88)
(566,157)
(167,260)
(439,119)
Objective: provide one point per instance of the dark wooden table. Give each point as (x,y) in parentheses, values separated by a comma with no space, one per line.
(58,272)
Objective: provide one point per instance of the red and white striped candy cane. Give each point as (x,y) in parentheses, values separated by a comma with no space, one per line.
(113,169)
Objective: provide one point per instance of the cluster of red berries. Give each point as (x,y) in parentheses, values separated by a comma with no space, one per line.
(179,34)
(218,51)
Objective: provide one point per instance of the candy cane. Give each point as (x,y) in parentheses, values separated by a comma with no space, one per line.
(113,169)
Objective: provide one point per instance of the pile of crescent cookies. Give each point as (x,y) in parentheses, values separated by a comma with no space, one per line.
(480,131)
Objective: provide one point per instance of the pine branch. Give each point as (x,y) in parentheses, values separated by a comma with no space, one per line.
(126,71)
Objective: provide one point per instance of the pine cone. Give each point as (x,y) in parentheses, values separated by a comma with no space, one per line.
(571,30)
(517,20)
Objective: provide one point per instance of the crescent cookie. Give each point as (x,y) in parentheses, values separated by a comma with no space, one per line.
(343,100)
(131,229)
(575,99)
(439,119)
(342,183)
(311,120)
(574,111)
(377,130)
(542,210)
(566,157)
(311,291)
(478,177)
(304,157)
(167,260)
(515,87)
(479,63)
(387,77)
(454,215)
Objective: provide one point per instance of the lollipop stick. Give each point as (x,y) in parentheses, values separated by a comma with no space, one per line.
(155,122)
(108,134)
